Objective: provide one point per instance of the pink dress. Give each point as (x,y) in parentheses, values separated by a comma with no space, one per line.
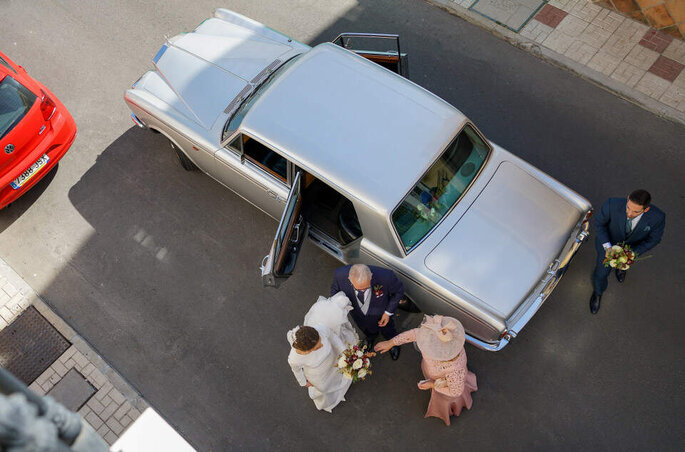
(461,382)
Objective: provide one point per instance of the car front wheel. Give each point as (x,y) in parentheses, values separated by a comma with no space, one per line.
(186,163)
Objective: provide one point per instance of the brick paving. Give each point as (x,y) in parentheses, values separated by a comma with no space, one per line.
(666,68)
(115,405)
(611,48)
(656,40)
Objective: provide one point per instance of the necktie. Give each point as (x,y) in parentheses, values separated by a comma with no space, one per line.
(360,297)
(629,226)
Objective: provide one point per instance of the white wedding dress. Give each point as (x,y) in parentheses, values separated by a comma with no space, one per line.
(329,317)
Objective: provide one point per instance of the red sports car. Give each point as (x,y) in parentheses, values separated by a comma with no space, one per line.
(36,130)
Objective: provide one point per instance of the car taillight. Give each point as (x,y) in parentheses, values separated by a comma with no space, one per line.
(47,106)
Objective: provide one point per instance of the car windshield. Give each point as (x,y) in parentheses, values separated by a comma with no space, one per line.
(440,188)
(234,121)
(15,102)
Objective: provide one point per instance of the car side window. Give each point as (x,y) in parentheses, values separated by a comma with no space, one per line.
(262,156)
(7,65)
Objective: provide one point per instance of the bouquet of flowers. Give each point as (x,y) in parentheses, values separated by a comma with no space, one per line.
(427,214)
(621,257)
(355,362)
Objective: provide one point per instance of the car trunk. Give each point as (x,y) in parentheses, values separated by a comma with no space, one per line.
(503,244)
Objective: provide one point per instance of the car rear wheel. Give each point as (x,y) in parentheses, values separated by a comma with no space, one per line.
(186,163)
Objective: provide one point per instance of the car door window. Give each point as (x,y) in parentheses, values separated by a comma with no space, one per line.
(292,229)
(261,155)
(383,49)
(7,65)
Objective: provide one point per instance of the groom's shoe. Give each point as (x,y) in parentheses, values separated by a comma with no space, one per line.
(621,275)
(395,353)
(595,299)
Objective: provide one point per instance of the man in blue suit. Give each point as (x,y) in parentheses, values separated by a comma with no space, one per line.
(632,221)
(375,293)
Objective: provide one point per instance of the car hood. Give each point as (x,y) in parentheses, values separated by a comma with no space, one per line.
(210,66)
(501,247)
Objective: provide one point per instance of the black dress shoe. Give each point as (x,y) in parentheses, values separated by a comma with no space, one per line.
(395,353)
(621,275)
(594,302)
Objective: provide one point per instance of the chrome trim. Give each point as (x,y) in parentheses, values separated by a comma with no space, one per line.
(266,71)
(238,99)
(532,309)
(548,284)
(137,121)
(487,346)
(320,239)
(366,35)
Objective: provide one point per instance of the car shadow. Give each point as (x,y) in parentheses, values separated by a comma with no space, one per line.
(15,210)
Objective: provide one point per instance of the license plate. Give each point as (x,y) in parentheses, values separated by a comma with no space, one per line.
(30,172)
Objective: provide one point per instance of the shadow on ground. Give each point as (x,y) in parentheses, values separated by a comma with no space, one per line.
(167,288)
(12,212)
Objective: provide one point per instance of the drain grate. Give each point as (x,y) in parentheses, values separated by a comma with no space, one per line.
(29,345)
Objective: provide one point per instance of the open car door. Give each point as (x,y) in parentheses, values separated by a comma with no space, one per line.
(380,48)
(279,264)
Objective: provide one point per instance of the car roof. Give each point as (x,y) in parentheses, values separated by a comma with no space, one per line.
(366,131)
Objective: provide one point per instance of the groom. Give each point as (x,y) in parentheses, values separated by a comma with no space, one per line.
(375,293)
(634,221)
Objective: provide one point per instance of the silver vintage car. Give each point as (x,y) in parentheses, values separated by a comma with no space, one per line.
(340,146)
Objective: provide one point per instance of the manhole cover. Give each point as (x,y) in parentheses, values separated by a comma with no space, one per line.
(29,345)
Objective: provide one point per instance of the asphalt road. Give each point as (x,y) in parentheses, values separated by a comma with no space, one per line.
(157,267)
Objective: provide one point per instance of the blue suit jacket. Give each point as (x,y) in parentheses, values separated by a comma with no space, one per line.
(391,289)
(610,223)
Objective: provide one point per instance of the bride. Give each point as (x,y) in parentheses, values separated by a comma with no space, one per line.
(315,349)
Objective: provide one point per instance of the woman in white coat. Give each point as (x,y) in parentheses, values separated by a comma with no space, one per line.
(314,352)
(317,346)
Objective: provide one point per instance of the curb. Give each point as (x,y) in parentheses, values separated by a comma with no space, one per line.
(563,62)
(116,404)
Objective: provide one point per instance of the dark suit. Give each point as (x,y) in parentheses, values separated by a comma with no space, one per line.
(386,292)
(610,223)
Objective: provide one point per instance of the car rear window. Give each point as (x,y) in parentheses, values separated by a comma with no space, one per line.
(15,102)
(440,188)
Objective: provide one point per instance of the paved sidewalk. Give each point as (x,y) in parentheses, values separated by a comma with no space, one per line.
(106,401)
(623,55)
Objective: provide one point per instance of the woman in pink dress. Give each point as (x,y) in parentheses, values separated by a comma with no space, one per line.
(441,342)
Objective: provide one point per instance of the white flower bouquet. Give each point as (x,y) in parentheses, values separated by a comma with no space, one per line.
(355,362)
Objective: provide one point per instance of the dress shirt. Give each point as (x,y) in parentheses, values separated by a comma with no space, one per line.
(633,223)
(367,299)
